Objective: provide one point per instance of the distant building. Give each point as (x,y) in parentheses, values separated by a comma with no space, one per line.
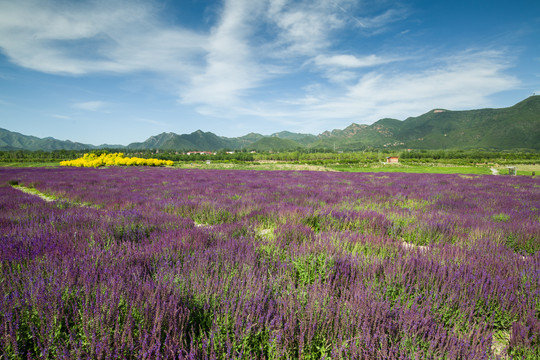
(512,170)
(200,153)
(392,160)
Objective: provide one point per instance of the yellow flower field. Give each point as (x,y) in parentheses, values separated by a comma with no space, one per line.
(114,159)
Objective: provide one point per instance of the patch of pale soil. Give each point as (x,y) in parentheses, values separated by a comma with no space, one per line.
(522,167)
(494,171)
(262,165)
(499,345)
(201,225)
(409,246)
(300,167)
(266,233)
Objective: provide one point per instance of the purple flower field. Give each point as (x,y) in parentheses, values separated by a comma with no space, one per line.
(140,263)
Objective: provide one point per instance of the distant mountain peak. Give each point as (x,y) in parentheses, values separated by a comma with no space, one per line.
(348,132)
(513,127)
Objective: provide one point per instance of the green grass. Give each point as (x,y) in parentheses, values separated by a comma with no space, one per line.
(480,170)
(424,168)
(281,165)
(29,164)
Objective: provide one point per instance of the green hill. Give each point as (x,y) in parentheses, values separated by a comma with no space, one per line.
(274,144)
(508,128)
(15,141)
(198,140)
(515,127)
(304,139)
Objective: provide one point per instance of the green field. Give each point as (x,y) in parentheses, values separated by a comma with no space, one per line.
(435,168)
(30,164)
(481,170)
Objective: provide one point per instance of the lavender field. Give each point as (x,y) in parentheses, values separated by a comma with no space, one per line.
(139,263)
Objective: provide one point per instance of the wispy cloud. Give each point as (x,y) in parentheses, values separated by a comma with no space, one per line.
(120,36)
(61,117)
(461,82)
(90,105)
(255,42)
(304,27)
(379,22)
(231,68)
(98,36)
(351,61)
(239,58)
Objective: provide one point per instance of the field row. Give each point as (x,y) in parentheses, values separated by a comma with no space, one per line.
(177,263)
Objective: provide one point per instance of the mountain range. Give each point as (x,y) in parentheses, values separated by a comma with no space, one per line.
(515,127)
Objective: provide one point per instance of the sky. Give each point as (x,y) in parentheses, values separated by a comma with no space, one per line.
(120,71)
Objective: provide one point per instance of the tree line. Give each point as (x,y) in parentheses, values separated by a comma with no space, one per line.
(309,156)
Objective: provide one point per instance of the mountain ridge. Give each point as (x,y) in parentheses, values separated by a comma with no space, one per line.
(507,128)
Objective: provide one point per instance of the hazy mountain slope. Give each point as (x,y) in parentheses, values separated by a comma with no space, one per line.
(359,137)
(15,141)
(274,143)
(303,139)
(514,127)
(507,128)
(198,140)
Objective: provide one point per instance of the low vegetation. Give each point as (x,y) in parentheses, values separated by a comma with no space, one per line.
(131,263)
(442,161)
(113,159)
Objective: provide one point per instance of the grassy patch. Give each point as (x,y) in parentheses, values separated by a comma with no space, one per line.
(30,164)
(421,169)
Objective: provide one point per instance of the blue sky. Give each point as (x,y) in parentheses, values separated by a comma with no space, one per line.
(120,71)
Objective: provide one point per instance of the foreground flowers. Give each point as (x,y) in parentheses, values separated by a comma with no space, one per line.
(114,159)
(194,264)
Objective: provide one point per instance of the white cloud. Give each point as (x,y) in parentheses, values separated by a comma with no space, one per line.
(252,44)
(96,36)
(464,81)
(303,28)
(230,65)
(217,67)
(89,105)
(351,61)
(241,58)
(460,82)
(380,21)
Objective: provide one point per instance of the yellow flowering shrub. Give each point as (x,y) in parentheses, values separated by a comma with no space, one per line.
(114,159)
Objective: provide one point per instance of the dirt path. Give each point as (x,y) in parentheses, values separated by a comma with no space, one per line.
(51,198)
(34,192)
